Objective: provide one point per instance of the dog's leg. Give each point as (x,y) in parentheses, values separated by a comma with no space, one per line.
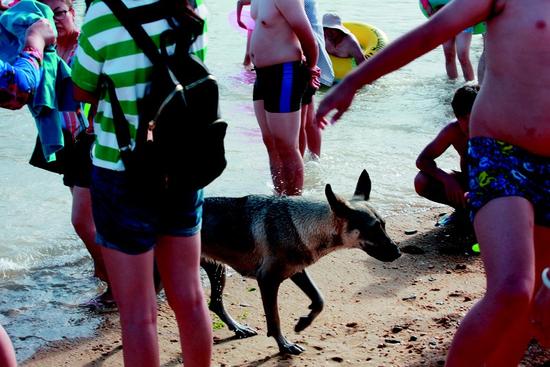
(269,288)
(304,282)
(216,275)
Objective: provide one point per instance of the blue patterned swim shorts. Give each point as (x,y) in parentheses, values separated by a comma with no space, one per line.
(499,169)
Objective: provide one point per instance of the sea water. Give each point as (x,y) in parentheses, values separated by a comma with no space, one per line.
(45,271)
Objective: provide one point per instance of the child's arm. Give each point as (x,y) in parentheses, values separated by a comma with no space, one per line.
(426,163)
(240,4)
(82,95)
(445,24)
(355,50)
(426,159)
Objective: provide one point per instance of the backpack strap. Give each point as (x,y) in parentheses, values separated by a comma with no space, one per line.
(142,39)
(122,130)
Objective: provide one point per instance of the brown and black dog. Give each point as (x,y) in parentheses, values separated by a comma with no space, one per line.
(272,238)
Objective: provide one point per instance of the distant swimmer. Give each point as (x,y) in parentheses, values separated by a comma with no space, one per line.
(339,41)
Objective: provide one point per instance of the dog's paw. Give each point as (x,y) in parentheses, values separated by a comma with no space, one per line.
(244,331)
(303,323)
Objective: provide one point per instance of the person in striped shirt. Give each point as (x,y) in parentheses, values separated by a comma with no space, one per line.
(131,230)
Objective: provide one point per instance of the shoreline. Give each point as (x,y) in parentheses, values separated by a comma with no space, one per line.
(402,313)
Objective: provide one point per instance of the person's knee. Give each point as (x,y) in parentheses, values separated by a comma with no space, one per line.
(137,316)
(463,56)
(187,300)
(285,147)
(450,53)
(421,184)
(515,294)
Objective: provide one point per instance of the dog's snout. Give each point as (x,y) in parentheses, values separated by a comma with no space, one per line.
(392,255)
(386,252)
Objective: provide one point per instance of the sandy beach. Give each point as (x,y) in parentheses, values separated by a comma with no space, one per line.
(376,314)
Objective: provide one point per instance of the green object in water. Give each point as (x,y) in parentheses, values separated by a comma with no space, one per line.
(475,247)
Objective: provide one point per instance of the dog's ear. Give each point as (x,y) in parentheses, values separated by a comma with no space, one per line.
(362,190)
(338,205)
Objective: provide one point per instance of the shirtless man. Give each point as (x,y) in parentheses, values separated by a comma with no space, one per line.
(339,41)
(284,53)
(509,149)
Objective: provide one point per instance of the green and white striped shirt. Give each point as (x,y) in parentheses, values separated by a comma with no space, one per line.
(105,47)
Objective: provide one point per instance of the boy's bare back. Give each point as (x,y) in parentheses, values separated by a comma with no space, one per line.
(513,104)
(275,39)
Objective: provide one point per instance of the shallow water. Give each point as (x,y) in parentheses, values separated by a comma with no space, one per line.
(45,269)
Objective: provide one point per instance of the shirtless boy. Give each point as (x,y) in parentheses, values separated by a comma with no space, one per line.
(509,148)
(432,182)
(284,53)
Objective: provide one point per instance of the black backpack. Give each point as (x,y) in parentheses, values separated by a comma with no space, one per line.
(179,141)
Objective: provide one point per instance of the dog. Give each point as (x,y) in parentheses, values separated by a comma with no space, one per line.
(272,238)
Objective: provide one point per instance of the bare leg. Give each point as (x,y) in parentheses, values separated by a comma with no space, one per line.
(449,50)
(516,341)
(302,140)
(285,130)
(275,163)
(481,64)
(131,278)
(83,223)
(313,132)
(463,42)
(7,354)
(504,228)
(178,259)
(246,62)
(432,189)
(541,306)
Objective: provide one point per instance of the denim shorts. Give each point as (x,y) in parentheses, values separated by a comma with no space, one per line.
(127,222)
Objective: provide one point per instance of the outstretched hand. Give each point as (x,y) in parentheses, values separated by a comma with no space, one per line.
(339,98)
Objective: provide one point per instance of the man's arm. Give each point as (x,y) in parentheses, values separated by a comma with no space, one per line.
(294,13)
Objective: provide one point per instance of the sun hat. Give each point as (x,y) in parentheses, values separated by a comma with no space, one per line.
(331,20)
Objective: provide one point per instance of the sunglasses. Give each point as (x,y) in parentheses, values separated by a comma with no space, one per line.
(60,14)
